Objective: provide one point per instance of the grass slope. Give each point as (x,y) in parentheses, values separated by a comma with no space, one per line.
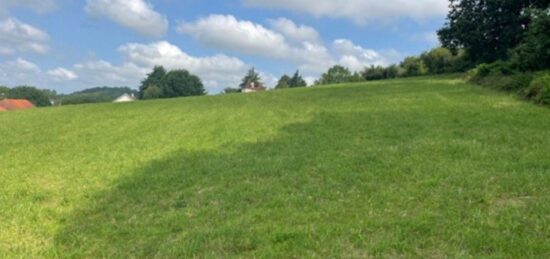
(424,167)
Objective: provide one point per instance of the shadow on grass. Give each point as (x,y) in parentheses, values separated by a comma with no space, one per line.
(349,185)
(266,198)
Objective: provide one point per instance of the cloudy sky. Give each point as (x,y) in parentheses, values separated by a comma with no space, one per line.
(68,45)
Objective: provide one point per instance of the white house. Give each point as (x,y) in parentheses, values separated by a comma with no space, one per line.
(125,98)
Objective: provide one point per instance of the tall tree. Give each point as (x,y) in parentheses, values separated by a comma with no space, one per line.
(336,74)
(486,29)
(533,53)
(153,78)
(36,96)
(4,90)
(297,80)
(284,82)
(251,77)
(180,83)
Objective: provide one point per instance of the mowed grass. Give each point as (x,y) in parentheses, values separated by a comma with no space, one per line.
(424,167)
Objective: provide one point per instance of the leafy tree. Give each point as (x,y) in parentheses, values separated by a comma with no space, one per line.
(251,77)
(413,66)
(96,95)
(230,90)
(284,82)
(486,29)
(152,92)
(391,72)
(533,53)
(153,78)
(336,74)
(36,96)
(4,90)
(180,83)
(438,60)
(297,81)
(373,73)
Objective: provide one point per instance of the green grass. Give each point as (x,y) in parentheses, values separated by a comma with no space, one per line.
(424,167)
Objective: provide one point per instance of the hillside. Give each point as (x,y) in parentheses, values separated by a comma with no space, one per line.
(96,95)
(423,167)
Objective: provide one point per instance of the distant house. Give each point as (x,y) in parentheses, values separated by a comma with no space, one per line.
(252,88)
(125,98)
(15,104)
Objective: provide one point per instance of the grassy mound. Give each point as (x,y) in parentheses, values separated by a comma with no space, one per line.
(424,167)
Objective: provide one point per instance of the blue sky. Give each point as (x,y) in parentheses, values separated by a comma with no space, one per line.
(68,45)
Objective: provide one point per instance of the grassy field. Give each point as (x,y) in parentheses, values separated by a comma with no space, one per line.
(424,167)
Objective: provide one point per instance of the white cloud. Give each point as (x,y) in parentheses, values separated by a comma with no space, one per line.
(40,6)
(137,15)
(17,36)
(301,45)
(226,32)
(24,65)
(295,33)
(356,57)
(19,72)
(360,11)
(217,71)
(62,74)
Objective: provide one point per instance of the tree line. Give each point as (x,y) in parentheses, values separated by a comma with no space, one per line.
(508,42)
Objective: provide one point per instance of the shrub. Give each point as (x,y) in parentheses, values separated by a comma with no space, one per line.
(539,90)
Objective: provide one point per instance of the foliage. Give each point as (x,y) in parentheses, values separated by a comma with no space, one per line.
(284,82)
(4,91)
(291,82)
(413,66)
(297,81)
(539,90)
(335,75)
(374,73)
(38,97)
(487,30)
(152,92)
(533,53)
(96,95)
(391,71)
(153,79)
(181,83)
(230,90)
(175,83)
(441,60)
(251,77)
(367,170)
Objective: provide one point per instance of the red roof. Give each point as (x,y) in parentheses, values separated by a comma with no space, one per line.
(15,104)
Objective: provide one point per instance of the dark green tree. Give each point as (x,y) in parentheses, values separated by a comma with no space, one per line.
(251,77)
(335,75)
(486,29)
(153,78)
(180,83)
(413,66)
(152,92)
(391,72)
(284,82)
(230,90)
(297,81)
(533,53)
(4,90)
(36,96)
(373,73)
(438,60)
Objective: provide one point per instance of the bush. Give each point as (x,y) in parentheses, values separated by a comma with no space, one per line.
(539,90)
